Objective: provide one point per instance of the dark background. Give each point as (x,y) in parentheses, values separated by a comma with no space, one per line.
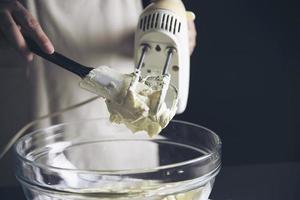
(245,78)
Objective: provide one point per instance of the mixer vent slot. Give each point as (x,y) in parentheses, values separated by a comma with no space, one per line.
(160,21)
(179,26)
(156,20)
(175,24)
(148,22)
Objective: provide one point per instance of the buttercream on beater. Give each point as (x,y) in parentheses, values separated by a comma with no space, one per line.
(133,106)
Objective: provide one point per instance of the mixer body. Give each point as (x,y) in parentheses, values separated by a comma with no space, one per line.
(162,28)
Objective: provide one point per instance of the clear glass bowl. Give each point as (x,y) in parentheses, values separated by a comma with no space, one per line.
(95,159)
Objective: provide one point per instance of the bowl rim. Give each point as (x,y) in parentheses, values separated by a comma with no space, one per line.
(210,155)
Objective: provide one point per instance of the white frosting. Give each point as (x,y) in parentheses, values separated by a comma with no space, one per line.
(132,106)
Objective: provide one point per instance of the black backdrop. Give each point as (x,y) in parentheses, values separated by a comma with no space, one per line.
(245,77)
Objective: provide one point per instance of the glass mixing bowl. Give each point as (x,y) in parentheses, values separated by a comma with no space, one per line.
(95,159)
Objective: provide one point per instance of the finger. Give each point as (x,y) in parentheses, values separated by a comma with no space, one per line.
(11,32)
(192,35)
(192,27)
(31,26)
(192,45)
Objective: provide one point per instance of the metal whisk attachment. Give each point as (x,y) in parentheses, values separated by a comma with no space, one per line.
(166,77)
(163,79)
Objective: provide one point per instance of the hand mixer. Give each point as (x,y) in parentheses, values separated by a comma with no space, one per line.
(161,41)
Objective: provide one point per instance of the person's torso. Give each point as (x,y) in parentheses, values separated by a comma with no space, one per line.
(93,32)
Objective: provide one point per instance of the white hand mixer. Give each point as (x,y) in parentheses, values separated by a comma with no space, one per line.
(161,47)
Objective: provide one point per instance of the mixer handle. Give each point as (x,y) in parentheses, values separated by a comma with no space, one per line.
(59,59)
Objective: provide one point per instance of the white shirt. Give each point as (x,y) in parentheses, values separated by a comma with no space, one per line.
(94,33)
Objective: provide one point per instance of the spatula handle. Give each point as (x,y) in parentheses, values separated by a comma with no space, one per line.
(59,59)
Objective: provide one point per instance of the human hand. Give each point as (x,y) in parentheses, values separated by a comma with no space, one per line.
(16,21)
(192,32)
